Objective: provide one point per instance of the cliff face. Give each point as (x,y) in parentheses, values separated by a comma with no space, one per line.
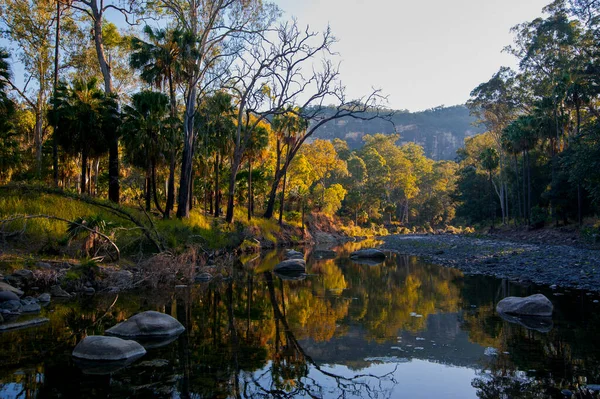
(440,131)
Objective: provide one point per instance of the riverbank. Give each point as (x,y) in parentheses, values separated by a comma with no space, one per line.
(547,264)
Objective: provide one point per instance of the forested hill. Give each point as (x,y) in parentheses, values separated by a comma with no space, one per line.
(441,130)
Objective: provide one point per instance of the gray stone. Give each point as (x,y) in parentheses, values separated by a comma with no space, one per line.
(291,265)
(8,296)
(292,254)
(23,324)
(12,306)
(89,290)
(147,324)
(1,318)
(101,348)
(533,305)
(204,277)
(7,287)
(30,305)
(43,265)
(24,274)
(537,323)
(370,253)
(57,291)
(45,297)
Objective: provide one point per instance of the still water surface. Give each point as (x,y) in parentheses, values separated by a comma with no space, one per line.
(403,328)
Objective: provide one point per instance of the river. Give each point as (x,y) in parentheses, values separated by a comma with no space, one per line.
(403,328)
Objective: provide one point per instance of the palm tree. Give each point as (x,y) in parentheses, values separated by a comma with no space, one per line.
(9,151)
(86,118)
(159,61)
(145,132)
(216,119)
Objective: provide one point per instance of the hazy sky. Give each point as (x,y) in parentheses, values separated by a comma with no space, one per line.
(421,53)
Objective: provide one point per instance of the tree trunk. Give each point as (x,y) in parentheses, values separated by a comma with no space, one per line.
(84,157)
(96,174)
(156,202)
(217,187)
(37,135)
(56,53)
(148,188)
(171,185)
(281,206)
(183,207)
(249,188)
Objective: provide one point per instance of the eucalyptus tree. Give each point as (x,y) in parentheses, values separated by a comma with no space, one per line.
(214,32)
(94,11)
(86,118)
(28,25)
(160,60)
(145,135)
(9,151)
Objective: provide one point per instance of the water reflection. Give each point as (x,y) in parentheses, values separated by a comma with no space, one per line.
(400,328)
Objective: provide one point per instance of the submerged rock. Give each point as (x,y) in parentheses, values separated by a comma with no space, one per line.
(16,325)
(57,291)
(291,265)
(370,253)
(537,323)
(30,305)
(45,298)
(8,296)
(533,305)
(101,348)
(292,254)
(147,324)
(325,254)
(291,274)
(7,287)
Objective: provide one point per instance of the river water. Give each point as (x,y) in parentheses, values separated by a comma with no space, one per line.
(403,328)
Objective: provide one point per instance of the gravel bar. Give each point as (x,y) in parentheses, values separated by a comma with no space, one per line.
(562,265)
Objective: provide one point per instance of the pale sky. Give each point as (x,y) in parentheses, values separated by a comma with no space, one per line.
(421,53)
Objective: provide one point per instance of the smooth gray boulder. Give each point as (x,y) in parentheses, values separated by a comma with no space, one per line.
(24,274)
(30,305)
(17,325)
(45,297)
(57,291)
(292,254)
(537,323)
(7,287)
(149,324)
(101,348)
(533,305)
(8,296)
(13,306)
(291,265)
(370,253)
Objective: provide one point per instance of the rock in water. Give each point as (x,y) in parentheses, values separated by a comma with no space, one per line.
(291,254)
(30,305)
(148,324)
(57,291)
(8,287)
(371,253)
(16,325)
(101,348)
(45,297)
(8,296)
(291,265)
(533,305)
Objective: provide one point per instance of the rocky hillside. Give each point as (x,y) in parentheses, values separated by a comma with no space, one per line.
(440,131)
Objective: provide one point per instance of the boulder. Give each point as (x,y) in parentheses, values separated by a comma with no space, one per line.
(292,254)
(8,296)
(101,348)
(45,297)
(24,274)
(533,305)
(30,305)
(204,277)
(370,253)
(537,323)
(16,325)
(291,265)
(57,291)
(11,306)
(7,287)
(44,265)
(147,324)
